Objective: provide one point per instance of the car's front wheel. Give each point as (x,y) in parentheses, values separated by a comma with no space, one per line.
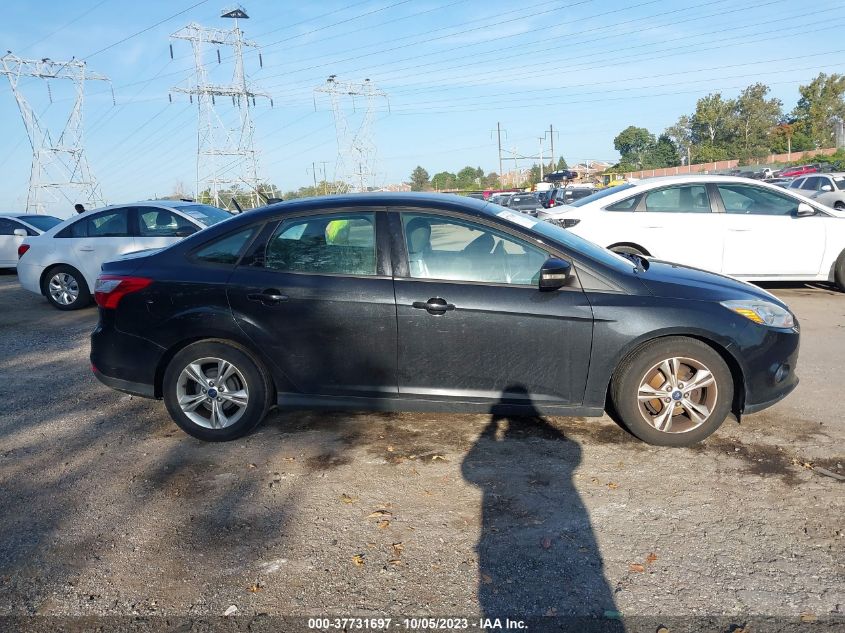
(624,249)
(216,390)
(65,288)
(673,391)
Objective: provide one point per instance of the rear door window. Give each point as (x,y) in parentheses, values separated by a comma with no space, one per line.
(751,200)
(109,224)
(339,244)
(678,199)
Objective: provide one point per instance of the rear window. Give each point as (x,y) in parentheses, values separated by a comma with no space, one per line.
(598,195)
(204,213)
(40,222)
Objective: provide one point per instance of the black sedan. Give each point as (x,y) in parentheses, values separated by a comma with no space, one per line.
(421,302)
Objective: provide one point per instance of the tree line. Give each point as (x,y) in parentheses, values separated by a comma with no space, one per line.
(748,127)
(472,178)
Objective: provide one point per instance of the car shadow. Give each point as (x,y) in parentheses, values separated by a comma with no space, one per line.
(537,553)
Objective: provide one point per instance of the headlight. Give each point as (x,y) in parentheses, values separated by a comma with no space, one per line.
(762,312)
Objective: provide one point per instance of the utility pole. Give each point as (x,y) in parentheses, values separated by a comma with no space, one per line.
(356,151)
(314,173)
(540,138)
(58,165)
(214,138)
(551,134)
(499,137)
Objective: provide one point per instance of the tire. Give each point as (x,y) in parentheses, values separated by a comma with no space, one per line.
(623,249)
(839,272)
(199,414)
(65,288)
(839,206)
(646,369)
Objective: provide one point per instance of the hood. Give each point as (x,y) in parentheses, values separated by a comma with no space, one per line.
(675,281)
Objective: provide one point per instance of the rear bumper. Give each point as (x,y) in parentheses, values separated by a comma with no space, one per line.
(770,357)
(122,361)
(29,276)
(126,386)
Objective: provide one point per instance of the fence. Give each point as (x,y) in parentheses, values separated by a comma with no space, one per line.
(726,164)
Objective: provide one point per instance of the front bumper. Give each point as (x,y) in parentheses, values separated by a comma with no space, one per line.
(769,357)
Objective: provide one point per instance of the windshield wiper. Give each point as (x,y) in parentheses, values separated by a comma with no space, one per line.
(640,261)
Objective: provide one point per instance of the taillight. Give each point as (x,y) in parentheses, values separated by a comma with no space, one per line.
(23,248)
(110,289)
(551,203)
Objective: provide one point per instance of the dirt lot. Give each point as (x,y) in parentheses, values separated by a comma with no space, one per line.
(106,508)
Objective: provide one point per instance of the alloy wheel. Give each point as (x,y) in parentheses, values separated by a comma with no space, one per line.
(677,395)
(212,393)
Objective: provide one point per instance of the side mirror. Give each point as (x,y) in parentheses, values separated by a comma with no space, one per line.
(827,188)
(554,274)
(804,210)
(20,232)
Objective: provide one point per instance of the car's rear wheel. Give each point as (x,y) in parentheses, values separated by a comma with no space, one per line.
(65,288)
(624,249)
(673,392)
(839,272)
(216,390)
(839,206)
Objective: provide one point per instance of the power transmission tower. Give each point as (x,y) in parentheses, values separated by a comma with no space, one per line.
(216,141)
(59,166)
(356,148)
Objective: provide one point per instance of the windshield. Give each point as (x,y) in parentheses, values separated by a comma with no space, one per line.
(569,241)
(598,195)
(40,222)
(205,214)
(839,181)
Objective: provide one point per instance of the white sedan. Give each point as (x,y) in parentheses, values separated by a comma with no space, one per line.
(63,263)
(736,226)
(15,227)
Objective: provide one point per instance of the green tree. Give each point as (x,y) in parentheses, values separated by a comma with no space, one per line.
(821,100)
(755,118)
(561,164)
(681,135)
(444,180)
(419,179)
(712,121)
(468,178)
(664,153)
(534,175)
(634,143)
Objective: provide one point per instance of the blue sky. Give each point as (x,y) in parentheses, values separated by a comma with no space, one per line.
(452,70)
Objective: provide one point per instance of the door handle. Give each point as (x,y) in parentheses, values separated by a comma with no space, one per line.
(86,249)
(268,297)
(435,305)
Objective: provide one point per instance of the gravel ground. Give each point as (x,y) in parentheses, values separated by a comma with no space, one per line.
(107,508)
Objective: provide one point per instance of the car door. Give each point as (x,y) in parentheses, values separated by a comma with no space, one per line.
(764,236)
(158,227)
(678,225)
(9,242)
(473,324)
(98,238)
(318,300)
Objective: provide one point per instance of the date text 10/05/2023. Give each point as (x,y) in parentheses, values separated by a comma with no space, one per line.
(414,624)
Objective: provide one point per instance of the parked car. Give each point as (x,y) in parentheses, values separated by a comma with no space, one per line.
(63,263)
(436,303)
(829,189)
(740,227)
(15,227)
(791,172)
(566,195)
(524,202)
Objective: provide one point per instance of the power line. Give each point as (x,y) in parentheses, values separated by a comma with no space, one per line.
(149,28)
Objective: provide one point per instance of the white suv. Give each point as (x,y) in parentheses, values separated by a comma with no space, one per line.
(736,226)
